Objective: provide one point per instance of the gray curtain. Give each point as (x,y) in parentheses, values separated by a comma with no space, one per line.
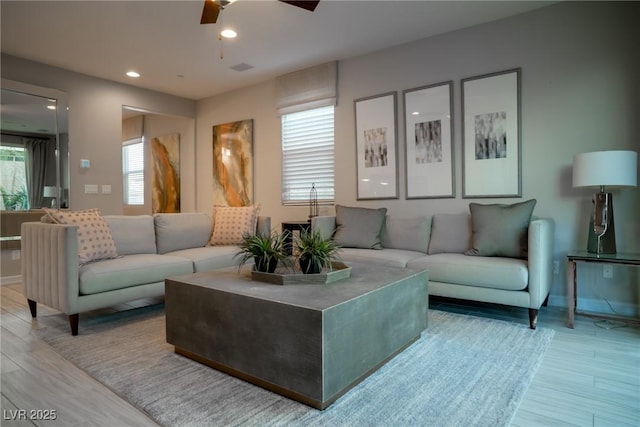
(40,152)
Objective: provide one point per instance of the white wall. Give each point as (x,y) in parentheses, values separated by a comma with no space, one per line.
(580,78)
(95,120)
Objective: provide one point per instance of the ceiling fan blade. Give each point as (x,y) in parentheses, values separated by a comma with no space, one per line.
(210,12)
(305,4)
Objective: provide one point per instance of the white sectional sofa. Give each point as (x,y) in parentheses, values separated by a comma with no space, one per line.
(495,253)
(148,249)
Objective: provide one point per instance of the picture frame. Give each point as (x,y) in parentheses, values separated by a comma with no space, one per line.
(233,163)
(376,147)
(429,151)
(491,135)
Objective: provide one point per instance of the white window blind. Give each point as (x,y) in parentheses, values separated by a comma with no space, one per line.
(133,171)
(308,155)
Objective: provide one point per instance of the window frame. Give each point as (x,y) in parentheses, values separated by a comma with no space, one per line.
(300,133)
(126,173)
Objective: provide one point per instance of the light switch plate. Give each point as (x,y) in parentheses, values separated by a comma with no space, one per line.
(106,189)
(90,189)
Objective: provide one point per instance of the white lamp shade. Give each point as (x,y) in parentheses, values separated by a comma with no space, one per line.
(50,191)
(616,168)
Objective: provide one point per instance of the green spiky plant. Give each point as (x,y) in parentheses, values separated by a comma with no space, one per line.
(17,201)
(315,252)
(266,249)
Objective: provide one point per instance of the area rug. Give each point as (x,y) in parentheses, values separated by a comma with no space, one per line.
(462,371)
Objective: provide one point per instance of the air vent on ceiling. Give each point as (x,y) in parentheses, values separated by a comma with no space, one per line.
(241,67)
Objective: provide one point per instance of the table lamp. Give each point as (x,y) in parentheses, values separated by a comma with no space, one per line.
(615,168)
(51,191)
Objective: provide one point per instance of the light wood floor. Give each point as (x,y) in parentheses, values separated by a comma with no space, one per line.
(590,376)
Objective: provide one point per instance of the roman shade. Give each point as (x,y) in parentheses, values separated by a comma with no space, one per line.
(132,128)
(307,89)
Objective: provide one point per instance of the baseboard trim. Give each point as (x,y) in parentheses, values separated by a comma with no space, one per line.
(10,280)
(598,306)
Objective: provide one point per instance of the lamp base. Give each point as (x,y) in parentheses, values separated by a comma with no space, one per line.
(601,224)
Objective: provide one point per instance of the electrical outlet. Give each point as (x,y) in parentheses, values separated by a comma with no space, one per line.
(15,255)
(607,271)
(556,268)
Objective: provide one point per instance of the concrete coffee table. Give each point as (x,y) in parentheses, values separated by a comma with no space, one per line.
(311,343)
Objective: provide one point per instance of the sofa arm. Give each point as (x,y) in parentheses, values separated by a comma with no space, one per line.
(50,265)
(325,224)
(541,238)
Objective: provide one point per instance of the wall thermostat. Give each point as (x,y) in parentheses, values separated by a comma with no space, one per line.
(85,163)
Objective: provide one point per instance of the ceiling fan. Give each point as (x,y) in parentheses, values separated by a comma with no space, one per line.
(212,8)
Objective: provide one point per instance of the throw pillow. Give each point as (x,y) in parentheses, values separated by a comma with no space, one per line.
(185,230)
(359,227)
(94,235)
(410,234)
(132,234)
(450,233)
(231,223)
(501,230)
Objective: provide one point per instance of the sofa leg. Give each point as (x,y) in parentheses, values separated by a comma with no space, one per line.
(33,307)
(73,322)
(546,301)
(533,318)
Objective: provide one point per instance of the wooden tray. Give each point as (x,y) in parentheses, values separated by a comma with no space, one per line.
(284,276)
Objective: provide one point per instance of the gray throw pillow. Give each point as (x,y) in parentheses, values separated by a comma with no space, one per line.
(176,231)
(450,233)
(501,230)
(359,227)
(132,234)
(410,234)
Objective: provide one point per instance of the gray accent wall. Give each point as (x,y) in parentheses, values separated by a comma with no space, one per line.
(580,92)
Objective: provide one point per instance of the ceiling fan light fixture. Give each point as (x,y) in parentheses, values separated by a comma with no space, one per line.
(228,33)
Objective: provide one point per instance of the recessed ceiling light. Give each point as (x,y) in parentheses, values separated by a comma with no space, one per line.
(228,33)
(415,113)
(133,74)
(51,107)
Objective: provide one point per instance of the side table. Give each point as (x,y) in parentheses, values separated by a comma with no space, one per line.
(292,226)
(573,258)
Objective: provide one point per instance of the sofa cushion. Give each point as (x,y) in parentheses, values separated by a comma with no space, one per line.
(130,270)
(411,234)
(500,230)
(231,223)
(386,257)
(209,257)
(496,273)
(359,227)
(132,234)
(175,231)
(94,235)
(450,233)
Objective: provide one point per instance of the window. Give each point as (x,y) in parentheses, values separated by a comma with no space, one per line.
(307,155)
(133,171)
(13,181)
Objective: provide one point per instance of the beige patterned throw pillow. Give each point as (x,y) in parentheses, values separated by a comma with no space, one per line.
(94,235)
(230,223)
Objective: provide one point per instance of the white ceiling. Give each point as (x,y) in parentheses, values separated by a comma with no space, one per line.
(164,41)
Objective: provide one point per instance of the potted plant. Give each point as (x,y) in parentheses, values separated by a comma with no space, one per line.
(315,253)
(265,249)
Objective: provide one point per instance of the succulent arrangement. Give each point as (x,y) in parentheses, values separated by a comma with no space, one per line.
(268,250)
